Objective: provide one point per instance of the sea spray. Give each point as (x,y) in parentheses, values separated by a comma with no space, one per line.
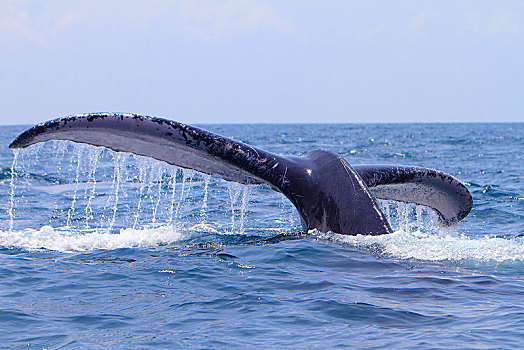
(119,160)
(142,175)
(418,236)
(189,174)
(157,177)
(71,211)
(234,192)
(409,217)
(93,189)
(93,155)
(203,209)
(181,198)
(173,173)
(453,246)
(12,190)
(47,237)
(243,206)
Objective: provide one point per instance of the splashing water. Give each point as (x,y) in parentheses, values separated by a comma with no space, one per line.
(144,197)
(203,210)
(420,245)
(142,180)
(12,190)
(234,193)
(417,235)
(71,210)
(173,174)
(50,238)
(182,194)
(107,192)
(243,206)
(117,179)
(93,155)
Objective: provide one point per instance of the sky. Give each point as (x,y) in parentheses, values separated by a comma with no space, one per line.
(249,61)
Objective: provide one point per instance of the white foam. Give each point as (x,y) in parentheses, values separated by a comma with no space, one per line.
(438,247)
(50,238)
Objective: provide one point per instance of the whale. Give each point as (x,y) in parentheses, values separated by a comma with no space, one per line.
(329,194)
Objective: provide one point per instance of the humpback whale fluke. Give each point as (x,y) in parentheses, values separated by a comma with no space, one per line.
(329,194)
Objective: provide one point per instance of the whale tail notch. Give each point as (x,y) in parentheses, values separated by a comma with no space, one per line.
(329,194)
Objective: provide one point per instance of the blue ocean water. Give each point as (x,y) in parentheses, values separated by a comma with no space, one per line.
(107,250)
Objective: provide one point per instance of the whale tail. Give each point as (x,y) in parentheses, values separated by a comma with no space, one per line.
(329,194)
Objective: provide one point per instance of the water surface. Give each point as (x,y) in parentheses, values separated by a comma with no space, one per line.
(107,250)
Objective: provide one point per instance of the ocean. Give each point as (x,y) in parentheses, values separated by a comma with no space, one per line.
(100,249)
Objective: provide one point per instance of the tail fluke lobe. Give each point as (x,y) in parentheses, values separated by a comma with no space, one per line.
(432,188)
(169,141)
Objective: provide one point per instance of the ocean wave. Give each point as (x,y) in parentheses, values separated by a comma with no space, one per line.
(419,245)
(401,244)
(64,240)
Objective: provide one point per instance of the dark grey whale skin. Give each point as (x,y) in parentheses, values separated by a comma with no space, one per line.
(429,187)
(328,193)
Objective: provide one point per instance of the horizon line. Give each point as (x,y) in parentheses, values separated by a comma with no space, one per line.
(322,123)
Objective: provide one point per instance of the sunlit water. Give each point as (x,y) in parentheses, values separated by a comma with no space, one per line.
(100,249)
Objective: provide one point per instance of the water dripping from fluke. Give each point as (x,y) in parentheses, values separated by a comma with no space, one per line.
(70,212)
(119,159)
(90,190)
(93,155)
(203,210)
(12,190)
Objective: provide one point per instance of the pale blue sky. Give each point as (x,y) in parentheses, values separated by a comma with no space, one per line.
(263,61)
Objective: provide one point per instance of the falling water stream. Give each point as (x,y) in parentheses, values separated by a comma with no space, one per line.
(12,190)
(125,189)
